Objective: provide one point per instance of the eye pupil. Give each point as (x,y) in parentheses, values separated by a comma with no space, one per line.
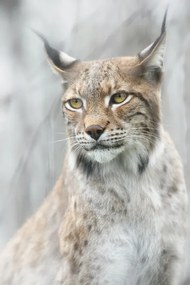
(118,98)
(75,103)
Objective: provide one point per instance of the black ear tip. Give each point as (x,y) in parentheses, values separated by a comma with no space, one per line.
(52,53)
(40,35)
(163,29)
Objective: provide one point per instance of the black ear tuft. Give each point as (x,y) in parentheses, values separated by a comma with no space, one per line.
(52,53)
(163,28)
(59,59)
(151,58)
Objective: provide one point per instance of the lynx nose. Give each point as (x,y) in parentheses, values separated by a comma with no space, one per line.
(94,131)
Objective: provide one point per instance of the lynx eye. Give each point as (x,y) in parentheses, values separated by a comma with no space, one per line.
(74,103)
(120,97)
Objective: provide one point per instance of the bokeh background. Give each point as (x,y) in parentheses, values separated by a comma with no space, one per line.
(31,123)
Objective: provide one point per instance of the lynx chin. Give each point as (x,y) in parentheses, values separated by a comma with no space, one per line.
(117,214)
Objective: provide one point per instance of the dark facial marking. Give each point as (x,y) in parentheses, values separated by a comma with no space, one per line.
(136,114)
(142,98)
(152,107)
(88,166)
(143,163)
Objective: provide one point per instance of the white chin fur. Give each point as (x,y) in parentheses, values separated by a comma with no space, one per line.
(106,155)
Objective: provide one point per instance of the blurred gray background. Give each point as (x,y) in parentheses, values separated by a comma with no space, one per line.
(31,123)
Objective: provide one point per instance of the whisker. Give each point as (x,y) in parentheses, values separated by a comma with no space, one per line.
(75,148)
(62,140)
(142,128)
(148,139)
(147,134)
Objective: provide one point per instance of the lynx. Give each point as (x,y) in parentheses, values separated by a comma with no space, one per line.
(117,214)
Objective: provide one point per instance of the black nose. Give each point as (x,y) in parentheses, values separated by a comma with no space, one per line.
(94,131)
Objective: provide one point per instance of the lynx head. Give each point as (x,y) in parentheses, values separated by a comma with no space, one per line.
(112,106)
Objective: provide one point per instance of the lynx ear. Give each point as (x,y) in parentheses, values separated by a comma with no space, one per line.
(61,62)
(151,58)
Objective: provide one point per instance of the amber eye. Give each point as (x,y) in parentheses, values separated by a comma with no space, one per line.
(118,98)
(74,103)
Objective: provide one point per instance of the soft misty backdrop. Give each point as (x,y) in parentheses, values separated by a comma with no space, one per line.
(31,123)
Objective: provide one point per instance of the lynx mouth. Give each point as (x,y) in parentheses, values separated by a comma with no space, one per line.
(99,146)
(104,153)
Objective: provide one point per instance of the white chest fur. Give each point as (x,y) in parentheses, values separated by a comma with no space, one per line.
(126,241)
(133,241)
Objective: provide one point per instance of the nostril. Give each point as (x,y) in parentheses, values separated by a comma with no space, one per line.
(94,131)
(99,132)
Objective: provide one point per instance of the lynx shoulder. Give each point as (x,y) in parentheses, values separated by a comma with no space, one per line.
(117,214)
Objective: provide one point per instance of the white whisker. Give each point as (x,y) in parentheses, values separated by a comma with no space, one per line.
(62,140)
